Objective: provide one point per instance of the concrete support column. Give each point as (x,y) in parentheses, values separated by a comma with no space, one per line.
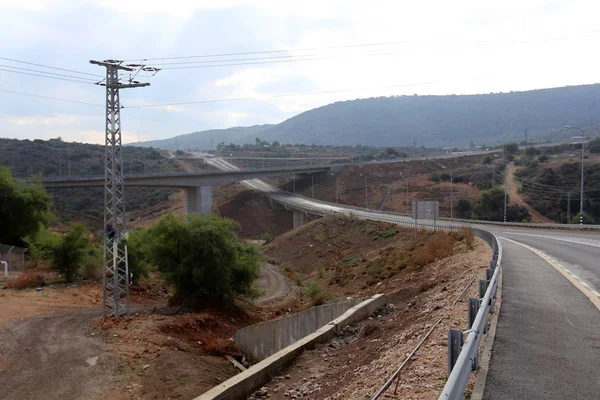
(197,199)
(298,219)
(206,199)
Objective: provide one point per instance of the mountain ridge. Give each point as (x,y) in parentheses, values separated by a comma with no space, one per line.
(430,120)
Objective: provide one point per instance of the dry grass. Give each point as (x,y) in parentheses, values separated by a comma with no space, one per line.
(438,246)
(25,280)
(468,236)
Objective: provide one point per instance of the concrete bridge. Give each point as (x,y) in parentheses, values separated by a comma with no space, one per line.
(196,186)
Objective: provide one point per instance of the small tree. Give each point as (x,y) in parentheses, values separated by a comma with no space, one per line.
(24,208)
(70,251)
(487,160)
(464,208)
(202,257)
(511,148)
(137,241)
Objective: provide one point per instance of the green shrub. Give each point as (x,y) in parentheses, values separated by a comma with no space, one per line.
(298,279)
(267,237)
(202,257)
(24,208)
(434,177)
(70,251)
(137,241)
(313,291)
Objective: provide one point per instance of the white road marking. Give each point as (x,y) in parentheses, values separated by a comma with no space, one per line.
(593,295)
(586,242)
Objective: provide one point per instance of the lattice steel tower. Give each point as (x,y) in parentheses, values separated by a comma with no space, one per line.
(116,273)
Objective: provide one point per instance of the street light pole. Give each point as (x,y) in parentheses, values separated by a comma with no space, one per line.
(505,188)
(366,193)
(451,198)
(582,153)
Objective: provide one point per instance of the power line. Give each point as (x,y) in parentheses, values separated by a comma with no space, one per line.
(360,45)
(276,51)
(47,73)
(47,66)
(50,98)
(277,96)
(296,57)
(45,76)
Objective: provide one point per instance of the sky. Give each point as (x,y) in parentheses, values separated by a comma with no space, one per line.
(351,49)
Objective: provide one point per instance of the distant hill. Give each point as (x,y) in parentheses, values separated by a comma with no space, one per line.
(49,158)
(434,121)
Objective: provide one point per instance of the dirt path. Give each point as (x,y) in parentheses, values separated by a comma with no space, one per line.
(276,284)
(516,199)
(57,356)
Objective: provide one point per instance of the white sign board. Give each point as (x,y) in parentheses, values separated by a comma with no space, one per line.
(426,209)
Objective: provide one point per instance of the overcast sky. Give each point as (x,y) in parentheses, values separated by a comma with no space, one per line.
(441,47)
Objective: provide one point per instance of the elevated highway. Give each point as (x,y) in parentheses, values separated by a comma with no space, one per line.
(547,340)
(196,186)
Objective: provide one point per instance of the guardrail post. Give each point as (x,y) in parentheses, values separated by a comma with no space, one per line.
(488,274)
(482,288)
(455,342)
(472,307)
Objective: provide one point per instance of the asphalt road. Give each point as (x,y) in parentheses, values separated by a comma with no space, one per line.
(548,336)
(547,342)
(577,252)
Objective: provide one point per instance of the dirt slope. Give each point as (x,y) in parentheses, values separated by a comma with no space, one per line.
(355,363)
(516,199)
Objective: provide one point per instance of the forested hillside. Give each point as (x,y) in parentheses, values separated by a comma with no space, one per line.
(432,121)
(54,157)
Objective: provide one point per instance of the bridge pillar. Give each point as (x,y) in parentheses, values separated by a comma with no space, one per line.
(197,199)
(298,219)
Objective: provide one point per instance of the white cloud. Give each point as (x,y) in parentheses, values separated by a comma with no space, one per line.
(55,120)
(465,46)
(27,5)
(183,9)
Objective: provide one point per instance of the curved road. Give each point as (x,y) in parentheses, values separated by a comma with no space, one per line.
(548,336)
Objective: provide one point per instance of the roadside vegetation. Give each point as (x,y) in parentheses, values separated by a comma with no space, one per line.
(357,256)
(201,256)
(548,187)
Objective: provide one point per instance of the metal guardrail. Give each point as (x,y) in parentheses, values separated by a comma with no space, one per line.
(467,360)
(299,169)
(574,227)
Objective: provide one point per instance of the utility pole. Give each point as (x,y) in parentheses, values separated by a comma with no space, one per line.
(505,188)
(312,186)
(451,198)
(526,138)
(366,192)
(505,200)
(116,272)
(582,157)
(568,207)
(69,162)
(406,211)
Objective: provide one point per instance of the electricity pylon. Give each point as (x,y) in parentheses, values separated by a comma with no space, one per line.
(116,271)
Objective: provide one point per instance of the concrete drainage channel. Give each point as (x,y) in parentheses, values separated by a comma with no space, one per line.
(282,331)
(277,343)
